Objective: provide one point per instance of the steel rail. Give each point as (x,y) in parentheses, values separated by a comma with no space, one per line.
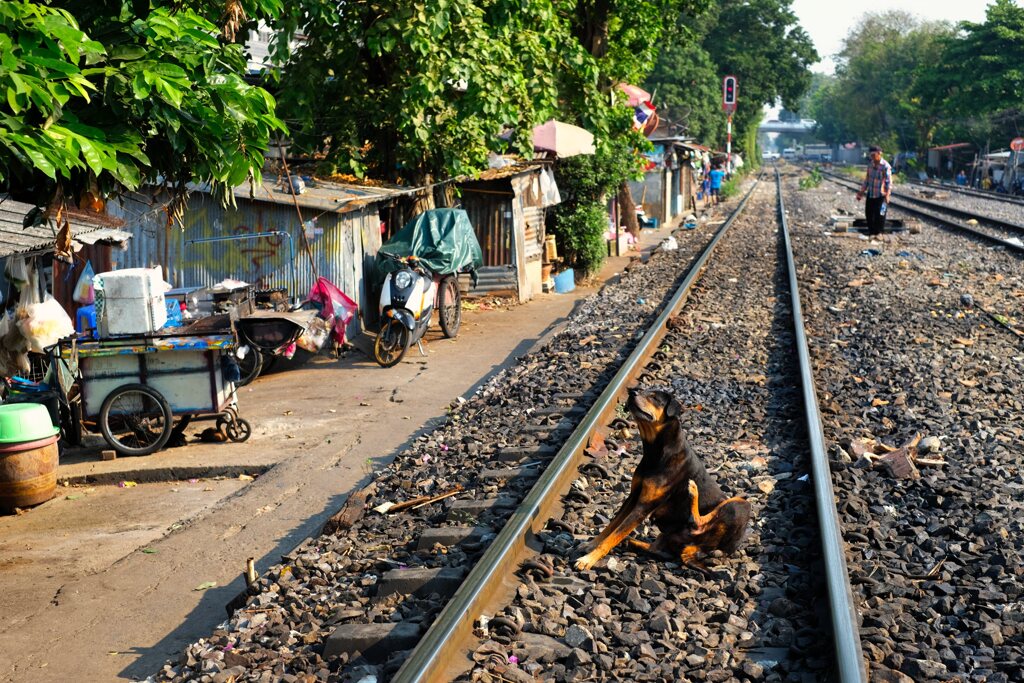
(850,663)
(943,221)
(961,213)
(440,654)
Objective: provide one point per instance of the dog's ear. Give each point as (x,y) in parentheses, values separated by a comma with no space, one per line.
(674,408)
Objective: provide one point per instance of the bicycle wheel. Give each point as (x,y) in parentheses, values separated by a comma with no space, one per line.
(135,420)
(391,344)
(250,367)
(449,309)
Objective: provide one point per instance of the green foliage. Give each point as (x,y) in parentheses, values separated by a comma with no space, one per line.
(157,95)
(909,85)
(687,86)
(412,91)
(763,45)
(580,230)
(730,187)
(812,180)
(758,41)
(585,183)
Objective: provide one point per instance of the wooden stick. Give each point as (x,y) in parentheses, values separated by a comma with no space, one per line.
(423,500)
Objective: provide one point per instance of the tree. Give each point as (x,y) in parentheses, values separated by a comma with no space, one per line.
(422,90)
(758,41)
(687,86)
(101,96)
(973,88)
(763,45)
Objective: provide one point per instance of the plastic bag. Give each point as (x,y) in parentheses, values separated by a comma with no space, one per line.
(84,292)
(44,324)
(315,336)
(13,347)
(337,308)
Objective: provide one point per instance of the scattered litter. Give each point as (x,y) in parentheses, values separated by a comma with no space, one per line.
(148,551)
(205,585)
(871,252)
(127,484)
(193,481)
(245,477)
(74,496)
(669,244)
(803,478)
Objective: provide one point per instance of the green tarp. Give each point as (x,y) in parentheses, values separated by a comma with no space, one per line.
(443,239)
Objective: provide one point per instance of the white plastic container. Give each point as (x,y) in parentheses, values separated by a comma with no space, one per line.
(130,301)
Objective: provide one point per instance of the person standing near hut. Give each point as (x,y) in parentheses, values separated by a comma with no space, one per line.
(876,188)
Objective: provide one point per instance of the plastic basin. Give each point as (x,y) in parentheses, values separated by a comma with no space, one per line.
(22,422)
(565,281)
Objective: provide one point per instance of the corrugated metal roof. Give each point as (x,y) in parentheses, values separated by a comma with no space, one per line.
(17,239)
(506,172)
(320,195)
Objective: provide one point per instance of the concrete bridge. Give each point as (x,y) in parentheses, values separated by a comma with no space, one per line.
(801,127)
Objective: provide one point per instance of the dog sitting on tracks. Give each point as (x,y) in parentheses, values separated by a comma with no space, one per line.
(671,486)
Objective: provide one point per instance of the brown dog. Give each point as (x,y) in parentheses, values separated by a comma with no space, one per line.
(671,486)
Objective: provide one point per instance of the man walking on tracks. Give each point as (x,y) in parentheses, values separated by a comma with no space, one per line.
(876,186)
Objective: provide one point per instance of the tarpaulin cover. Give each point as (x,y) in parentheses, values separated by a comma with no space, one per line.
(443,239)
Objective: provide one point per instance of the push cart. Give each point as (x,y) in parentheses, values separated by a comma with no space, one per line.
(135,388)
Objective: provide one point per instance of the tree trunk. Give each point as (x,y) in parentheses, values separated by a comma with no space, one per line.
(627,210)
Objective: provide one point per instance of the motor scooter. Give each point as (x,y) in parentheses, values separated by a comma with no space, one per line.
(407,303)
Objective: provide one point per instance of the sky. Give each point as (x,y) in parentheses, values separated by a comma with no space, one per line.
(828,23)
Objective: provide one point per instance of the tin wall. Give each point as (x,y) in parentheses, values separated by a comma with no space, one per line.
(343,245)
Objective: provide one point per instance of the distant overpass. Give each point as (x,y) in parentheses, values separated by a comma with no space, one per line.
(801,127)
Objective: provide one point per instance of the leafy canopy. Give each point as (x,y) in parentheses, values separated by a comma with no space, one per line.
(117,93)
(908,84)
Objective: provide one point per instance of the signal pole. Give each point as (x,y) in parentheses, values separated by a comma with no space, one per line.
(728,143)
(730,86)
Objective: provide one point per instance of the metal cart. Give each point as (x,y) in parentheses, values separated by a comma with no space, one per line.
(134,388)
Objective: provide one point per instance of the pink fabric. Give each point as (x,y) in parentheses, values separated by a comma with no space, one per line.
(636,94)
(336,306)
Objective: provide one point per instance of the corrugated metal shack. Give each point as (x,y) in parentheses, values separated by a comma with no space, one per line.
(340,223)
(95,239)
(668,187)
(507,209)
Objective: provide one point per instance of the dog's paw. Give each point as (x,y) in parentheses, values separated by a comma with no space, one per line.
(585,547)
(586,562)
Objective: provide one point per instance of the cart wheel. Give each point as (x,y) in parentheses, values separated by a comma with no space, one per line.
(249,367)
(392,343)
(450,306)
(135,420)
(238,431)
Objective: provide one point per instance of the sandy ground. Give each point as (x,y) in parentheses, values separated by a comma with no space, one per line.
(137,557)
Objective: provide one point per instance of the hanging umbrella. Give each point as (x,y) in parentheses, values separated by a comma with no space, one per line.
(636,95)
(564,139)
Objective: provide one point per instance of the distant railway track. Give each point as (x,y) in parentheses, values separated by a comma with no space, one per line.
(996,230)
(970,192)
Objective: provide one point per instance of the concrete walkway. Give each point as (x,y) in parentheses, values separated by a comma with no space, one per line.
(103,582)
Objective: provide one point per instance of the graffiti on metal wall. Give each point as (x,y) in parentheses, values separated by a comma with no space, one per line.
(255,260)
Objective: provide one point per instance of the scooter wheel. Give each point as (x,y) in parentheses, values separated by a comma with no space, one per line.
(450,306)
(391,344)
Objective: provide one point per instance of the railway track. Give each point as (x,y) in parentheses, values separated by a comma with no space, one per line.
(904,344)
(970,192)
(492,530)
(1000,231)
